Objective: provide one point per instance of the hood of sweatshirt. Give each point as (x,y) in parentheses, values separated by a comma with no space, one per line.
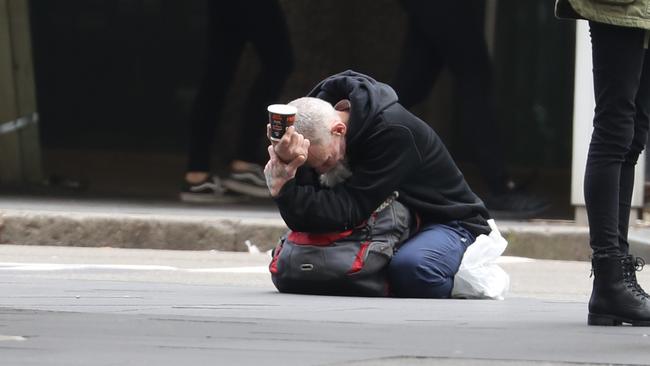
(368,98)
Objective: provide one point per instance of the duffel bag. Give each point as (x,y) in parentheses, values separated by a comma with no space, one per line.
(353,262)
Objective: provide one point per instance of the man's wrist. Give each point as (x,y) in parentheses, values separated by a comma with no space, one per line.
(278,186)
(275,188)
(275,181)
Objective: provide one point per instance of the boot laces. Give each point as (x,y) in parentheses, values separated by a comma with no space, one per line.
(630,274)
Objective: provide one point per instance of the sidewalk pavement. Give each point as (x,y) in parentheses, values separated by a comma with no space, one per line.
(540,279)
(231,227)
(109,306)
(65,303)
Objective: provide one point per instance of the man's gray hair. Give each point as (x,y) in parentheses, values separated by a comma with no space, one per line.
(314,118)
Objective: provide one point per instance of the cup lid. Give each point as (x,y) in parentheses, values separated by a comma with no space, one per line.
(282,109)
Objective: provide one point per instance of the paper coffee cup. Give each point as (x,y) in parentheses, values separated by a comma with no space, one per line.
(281,116)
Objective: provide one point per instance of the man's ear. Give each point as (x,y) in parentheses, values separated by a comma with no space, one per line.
(339,128)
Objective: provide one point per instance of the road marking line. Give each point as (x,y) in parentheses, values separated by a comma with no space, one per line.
(62,267)
(127,267)
(136,267)
(12,338)
(257,269)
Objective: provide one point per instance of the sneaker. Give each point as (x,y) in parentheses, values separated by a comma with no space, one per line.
(209,191)
(250,182)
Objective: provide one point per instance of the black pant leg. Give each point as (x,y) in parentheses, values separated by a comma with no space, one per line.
(269,34)
(419,67)
(618,59)
(455,29)
(225,44)
(471,67)
(641,122)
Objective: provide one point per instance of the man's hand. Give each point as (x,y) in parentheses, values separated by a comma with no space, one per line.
(291,145)
(278,173)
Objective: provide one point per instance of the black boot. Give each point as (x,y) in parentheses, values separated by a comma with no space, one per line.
(617,297)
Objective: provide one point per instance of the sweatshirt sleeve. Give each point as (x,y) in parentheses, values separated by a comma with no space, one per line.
(390,155)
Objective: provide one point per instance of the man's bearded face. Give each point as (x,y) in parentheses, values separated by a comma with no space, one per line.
(339,173)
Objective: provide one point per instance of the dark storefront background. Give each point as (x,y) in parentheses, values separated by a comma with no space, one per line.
(123,74)
(116,78)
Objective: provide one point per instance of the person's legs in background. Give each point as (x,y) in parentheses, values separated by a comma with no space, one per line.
(231,26)
(451,33)
(268,32)
(426,264)
(419,68)
(225,45)
(621,73)
(471,67)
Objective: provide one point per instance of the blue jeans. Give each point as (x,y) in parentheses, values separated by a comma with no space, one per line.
(425,265)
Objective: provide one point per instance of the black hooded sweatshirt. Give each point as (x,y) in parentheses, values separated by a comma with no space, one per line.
(388,149)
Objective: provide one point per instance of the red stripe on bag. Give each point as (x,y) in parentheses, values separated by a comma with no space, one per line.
(273,267)
(301,238)
(358,260)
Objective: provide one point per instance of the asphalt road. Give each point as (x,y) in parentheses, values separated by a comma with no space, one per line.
(105,306)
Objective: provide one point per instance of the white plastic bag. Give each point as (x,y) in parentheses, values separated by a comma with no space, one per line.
(479,277)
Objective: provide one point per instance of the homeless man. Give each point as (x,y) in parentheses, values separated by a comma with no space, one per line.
(351,146)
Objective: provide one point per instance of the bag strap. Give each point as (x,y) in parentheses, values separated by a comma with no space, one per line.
(370,223)
(384,205)
(393,196)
